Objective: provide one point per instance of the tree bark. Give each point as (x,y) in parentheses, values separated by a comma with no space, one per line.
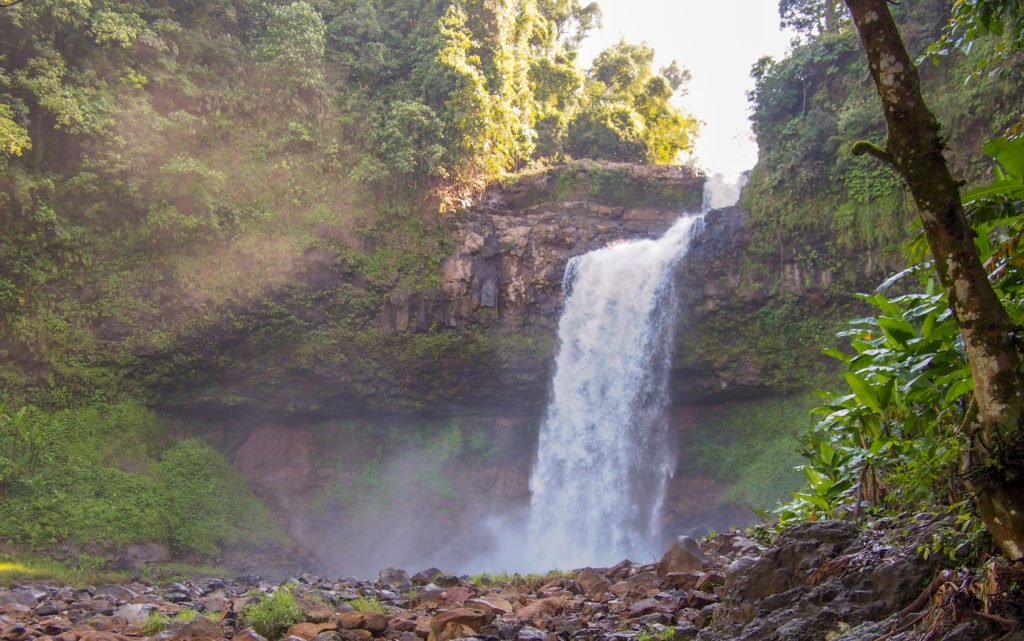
(990,462)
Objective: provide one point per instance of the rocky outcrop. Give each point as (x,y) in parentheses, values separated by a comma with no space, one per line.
(514,243)
(356,325)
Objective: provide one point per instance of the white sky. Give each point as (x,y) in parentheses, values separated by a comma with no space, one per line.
(718,41)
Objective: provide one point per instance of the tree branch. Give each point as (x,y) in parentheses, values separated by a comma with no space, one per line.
(862,147)
(9,3)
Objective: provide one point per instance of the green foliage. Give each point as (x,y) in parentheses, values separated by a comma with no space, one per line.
(210,507)
(368,604)
(812,106)
(972,21)
(891,440)
(626,113)
(272,615)
(752,445)
(91,475)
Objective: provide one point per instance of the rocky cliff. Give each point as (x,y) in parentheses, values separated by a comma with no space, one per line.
(345,335)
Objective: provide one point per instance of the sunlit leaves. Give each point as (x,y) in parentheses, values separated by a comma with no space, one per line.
(293,44)
(14,138)
(115,27)
(627,112)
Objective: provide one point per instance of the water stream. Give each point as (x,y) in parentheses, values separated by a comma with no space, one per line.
(603,456)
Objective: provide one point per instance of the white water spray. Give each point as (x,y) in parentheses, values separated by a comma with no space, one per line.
(603,456)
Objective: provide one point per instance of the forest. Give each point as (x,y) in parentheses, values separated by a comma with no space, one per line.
(216,209)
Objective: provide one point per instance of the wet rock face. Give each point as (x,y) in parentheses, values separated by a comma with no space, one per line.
(514,243)
(819,580)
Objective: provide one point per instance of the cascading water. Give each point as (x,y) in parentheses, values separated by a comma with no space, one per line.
(603,456)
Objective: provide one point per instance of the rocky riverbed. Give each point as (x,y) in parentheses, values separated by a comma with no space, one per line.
(827,580)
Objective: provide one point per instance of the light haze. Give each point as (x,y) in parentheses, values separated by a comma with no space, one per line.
(718,41)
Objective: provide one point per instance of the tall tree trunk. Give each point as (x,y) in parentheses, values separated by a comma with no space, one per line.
(991,462)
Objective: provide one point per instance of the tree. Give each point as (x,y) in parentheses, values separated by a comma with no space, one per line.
(627,112)
(810,17)
(991,459)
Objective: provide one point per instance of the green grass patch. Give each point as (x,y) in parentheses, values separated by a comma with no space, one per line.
(368,604)
(85,570)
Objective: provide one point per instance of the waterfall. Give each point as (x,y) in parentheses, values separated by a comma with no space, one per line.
(603,457)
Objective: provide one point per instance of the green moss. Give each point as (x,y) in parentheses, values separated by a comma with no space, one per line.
(754,446)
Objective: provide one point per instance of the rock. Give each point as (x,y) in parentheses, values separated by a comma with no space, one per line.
(683,555)
(22,596)
(248,634)
(648,606)
(446,580)
(543,609)
(425,577)
(351,620)
(329,635)
(458,618)
(136,614)
(355,635)
(314,611)
(394,576)
(530,633)
(198,629)
(592,581)
(46,609)
(454,596)
(307,631)
(375,622)
(491,604)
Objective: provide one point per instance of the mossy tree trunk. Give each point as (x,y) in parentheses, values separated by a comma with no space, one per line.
(991,460)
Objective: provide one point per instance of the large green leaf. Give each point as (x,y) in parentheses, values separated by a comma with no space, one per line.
(865,393)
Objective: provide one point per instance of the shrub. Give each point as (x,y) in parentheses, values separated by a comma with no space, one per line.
(273,615)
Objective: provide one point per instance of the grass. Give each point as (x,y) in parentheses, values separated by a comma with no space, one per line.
(87,570)
(518,579)
(158,621)
(368,604)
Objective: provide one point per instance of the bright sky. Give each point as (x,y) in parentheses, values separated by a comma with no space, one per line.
(718,41)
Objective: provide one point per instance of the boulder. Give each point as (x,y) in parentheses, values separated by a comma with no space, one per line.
(393,576)
(539,611)
(592,581)
(683,555)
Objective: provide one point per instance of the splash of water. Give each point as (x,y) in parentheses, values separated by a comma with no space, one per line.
(603,459)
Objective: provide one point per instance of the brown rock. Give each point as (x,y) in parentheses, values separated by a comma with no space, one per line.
(458,620)
(375,622)
(454,596)
(683,555)
(351,620)
(650,606)
(592,581)
(314,611)
(198,629)
(355,635)
(490,603)
(543,609)
(307,631)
